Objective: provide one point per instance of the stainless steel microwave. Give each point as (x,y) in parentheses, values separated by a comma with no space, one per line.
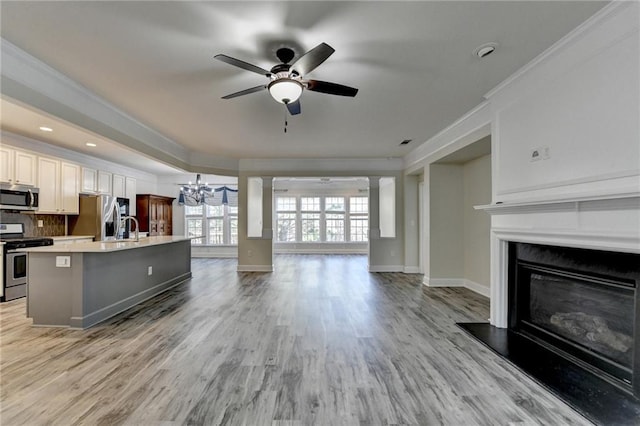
(17,197)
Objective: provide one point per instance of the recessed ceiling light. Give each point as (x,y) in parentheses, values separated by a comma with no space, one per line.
(485,50)
(46,129)
(91,144)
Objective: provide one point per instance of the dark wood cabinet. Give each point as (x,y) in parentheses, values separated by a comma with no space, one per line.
(155,214)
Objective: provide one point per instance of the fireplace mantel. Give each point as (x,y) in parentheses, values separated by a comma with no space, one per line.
(609,222)
(618,201)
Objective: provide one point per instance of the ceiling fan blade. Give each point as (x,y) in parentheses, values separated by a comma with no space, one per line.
(294,107)
(331,88)
(242,64)
(245,92)
(310,60)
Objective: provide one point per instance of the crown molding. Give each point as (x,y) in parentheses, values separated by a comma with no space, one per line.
(616,9)
(321,166)
(471,127)
(32,82)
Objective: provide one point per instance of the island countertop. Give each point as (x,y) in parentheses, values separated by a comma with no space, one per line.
(107,246)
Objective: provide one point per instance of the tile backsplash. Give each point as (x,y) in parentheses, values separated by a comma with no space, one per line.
(53,224)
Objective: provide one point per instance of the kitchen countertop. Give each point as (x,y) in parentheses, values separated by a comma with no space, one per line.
(104,247)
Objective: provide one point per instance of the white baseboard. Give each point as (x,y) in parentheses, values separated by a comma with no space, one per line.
(444,282)
(458,282)
(255,268)
(478,288)
(328,250)
(386,268)
(214,255)
(411,269)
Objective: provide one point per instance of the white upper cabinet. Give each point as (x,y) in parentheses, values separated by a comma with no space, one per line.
(118,188)
(48,176)
(17,167)
(69,185)
(58,182)
(130,193)
(25,168)
(104,182)
(6,165)
(89,180)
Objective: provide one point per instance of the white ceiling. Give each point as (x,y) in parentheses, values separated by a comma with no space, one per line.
(412,61)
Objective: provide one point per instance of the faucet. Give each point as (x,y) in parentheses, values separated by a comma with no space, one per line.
(124,221)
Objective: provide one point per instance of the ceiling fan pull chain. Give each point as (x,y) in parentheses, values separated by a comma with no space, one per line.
(285,119)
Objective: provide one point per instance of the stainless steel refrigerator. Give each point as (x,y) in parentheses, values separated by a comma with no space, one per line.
(101,216)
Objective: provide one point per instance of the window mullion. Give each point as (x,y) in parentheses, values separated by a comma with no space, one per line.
(205,225)
(347,220)
(226,232)
(323,218)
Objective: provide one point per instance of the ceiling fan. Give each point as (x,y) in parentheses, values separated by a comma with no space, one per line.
(286,80)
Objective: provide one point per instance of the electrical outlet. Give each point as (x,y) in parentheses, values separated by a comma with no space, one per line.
(40,223)
(63,261)
(150,270)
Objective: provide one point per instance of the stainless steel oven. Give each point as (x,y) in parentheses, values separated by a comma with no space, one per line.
(15,279)
(16,263)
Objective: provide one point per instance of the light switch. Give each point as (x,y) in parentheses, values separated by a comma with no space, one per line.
(63,261)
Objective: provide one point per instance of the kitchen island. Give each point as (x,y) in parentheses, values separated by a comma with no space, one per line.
(79,285)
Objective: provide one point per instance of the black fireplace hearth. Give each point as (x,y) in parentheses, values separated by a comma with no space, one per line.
(574,326)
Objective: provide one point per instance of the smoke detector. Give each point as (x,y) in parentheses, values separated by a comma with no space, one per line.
(485,50)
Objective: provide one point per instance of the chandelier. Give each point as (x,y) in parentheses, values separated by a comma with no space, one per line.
(196,192)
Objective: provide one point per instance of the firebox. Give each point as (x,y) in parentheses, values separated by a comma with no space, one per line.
(582,304)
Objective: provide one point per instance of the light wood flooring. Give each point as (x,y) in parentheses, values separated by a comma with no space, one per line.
(318,342)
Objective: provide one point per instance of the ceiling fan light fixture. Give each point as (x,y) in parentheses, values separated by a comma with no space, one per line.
(285,90)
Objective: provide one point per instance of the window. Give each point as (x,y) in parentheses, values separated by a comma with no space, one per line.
(232,214)
(315,219)
(216,225)
(310,219)
(286,219)
(359,218)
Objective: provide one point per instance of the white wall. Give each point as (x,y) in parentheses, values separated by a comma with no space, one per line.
(446,222)
(412,224)
(477,223)
(385,254)
(581,100)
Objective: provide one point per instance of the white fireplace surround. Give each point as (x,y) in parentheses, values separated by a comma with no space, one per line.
(604,223)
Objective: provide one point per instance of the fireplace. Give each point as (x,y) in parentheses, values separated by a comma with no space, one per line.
(582,304)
